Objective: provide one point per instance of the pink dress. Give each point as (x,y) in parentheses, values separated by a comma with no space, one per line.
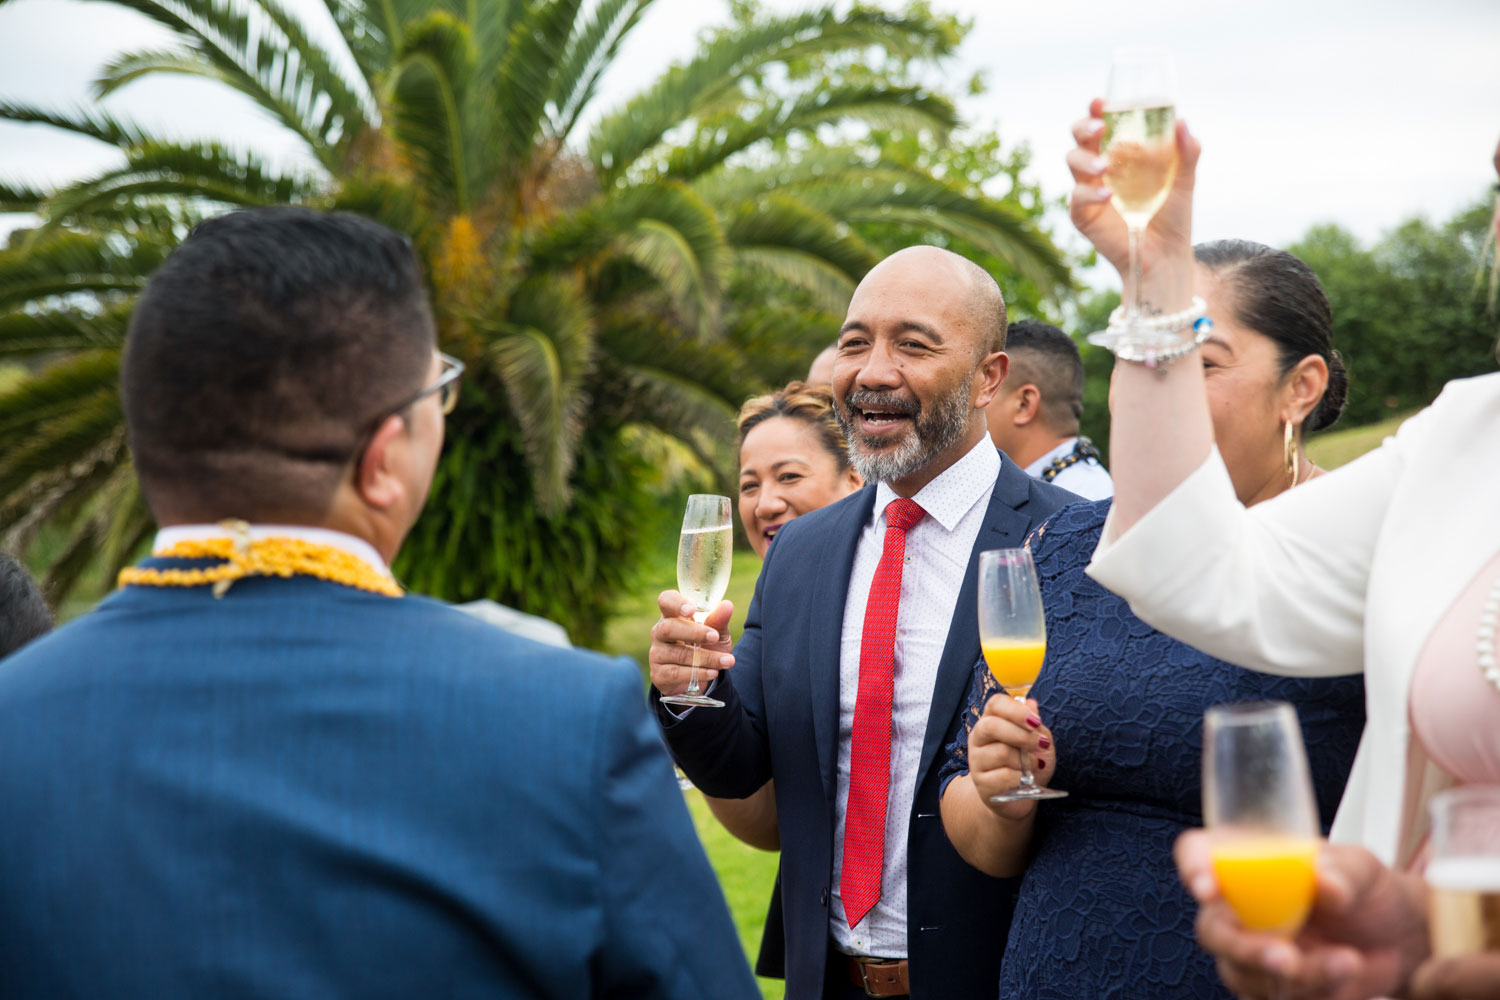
(1455,711)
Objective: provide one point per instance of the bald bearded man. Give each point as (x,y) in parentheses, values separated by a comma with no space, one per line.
(849,678)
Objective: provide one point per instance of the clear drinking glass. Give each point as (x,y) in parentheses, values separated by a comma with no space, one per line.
(1260,812)
(1140,143)
(1463,875)
(703,560)
(1013,637)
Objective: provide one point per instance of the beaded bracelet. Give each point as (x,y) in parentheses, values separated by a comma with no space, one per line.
(1170,323)
(1158,359)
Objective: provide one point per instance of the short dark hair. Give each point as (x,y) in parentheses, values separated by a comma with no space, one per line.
(261,353)
(1047,358)
(24,614)
(1279,296)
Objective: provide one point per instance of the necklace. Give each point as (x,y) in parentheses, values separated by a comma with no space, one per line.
(242,557)
(1485,637)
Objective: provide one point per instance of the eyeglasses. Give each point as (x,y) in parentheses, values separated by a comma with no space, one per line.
(446,385)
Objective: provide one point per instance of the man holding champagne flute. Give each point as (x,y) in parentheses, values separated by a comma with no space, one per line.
(849,678)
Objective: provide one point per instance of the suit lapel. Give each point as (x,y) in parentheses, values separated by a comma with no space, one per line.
(1004,527)
(825,639)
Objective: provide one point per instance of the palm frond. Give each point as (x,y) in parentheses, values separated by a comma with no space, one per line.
(26,333)
(526,74)
(88,422)
(255,47)
(619,140)
(877,106)
(590,52)
(914,199)
(542,355)
(432,75)
(68,263)
(206,171)
(17,196)
(80,121)
(68,387)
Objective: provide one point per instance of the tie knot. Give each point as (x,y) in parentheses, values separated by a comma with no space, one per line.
(901,513)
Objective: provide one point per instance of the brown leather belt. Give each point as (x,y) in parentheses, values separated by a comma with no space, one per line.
(877,977)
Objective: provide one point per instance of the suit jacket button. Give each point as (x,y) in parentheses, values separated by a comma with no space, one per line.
(824,897)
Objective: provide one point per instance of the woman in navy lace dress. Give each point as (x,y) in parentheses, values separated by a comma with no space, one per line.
(1100,911)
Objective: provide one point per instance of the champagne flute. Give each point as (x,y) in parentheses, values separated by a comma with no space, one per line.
(1013,638)
(1140,143)
(703,559)
(1262,818)
(1463,875)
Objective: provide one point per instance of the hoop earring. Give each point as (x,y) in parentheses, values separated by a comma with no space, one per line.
(1289,454)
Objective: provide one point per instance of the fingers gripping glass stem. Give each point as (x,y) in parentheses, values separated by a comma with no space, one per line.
(703,560)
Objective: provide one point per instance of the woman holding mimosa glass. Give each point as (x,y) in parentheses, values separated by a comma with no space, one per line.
(1099,911)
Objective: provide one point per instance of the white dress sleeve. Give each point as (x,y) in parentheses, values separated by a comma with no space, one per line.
(1279,587)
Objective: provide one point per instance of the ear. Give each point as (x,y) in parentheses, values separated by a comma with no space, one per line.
(987,378)
(1028,404)
(854,479)
(1304,386)
(376,477)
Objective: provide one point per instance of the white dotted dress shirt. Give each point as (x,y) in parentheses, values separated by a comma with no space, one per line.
(937,557)
(1086,479)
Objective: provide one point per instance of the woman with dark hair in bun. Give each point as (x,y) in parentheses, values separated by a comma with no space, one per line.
(1116,714)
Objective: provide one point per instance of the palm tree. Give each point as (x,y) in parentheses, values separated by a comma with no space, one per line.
(585,272)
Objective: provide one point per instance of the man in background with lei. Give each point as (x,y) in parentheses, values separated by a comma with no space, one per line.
(259,769)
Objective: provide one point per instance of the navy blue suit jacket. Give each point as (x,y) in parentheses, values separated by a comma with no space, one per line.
(308,791)
(780,720)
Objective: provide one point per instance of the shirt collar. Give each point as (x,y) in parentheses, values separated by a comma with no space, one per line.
(1061,451)
(357,547)
(954,491)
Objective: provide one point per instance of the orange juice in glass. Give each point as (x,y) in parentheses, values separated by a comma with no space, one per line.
(1268,879)
(1014,662)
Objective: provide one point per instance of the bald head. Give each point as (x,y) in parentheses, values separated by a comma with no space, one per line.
(971,296)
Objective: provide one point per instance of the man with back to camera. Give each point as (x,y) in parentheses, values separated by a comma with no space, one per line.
(1034,417)
(849,711)
(261,770)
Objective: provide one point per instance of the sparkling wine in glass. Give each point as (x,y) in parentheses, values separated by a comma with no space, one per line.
(703,560)
(1013,638)
(1260,812)
(1140,143)
(1463,875)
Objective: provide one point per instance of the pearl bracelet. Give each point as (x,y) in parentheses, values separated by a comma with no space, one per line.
(1170,323)
(1158,359)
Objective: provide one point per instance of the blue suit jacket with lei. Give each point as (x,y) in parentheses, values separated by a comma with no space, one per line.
(305,790)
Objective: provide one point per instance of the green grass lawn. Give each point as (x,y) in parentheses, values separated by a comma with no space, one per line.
(1336,448)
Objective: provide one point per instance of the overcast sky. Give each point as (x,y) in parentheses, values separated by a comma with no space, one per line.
(1363,112)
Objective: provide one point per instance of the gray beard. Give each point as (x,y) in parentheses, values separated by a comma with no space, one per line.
(929,436)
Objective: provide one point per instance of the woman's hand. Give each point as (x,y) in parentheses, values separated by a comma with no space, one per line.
(1008,729)
(1166,245)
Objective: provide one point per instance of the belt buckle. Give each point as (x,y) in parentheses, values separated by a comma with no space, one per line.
(880,988)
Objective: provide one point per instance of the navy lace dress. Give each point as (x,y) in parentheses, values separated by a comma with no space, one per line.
(1100,911)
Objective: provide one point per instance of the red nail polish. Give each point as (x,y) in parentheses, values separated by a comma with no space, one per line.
(1041,765)
(1033,721)
(1043,742)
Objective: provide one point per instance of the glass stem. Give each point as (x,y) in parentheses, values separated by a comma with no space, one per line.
(1028,782)
(1133,308)
(692,687)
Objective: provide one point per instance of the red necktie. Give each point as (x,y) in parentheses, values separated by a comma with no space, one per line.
(870,746)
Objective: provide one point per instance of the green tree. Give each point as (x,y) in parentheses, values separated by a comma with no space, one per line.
(625,279)
(1409,313)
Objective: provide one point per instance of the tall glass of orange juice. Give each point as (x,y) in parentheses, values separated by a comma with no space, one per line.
(1262,818)
(1013,638)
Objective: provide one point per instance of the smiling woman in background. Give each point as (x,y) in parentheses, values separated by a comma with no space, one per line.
(793,460)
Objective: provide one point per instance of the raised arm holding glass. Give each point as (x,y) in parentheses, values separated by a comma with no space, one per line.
(1390,566)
